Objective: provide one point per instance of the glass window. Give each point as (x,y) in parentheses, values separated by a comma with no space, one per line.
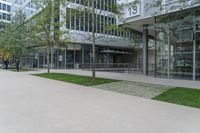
(106,5)
(77,1)
(8,17)
(90,22)
(106,25)
(86,21)
(4,16)
(82,2)
(109,5)
(82,21)
(77,20)
(68,18)
(98,4)
(72,19)
(4,7)
(102,5)
(8,8)
(109,25)
(102,24)
(113,22)
(98,24)
(113,5)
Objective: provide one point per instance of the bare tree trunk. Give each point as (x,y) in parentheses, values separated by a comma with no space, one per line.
(65,57)
(52,58)
(93,60)
(57,58)
(93,44)
(48,54)
(38,61)
(44,58)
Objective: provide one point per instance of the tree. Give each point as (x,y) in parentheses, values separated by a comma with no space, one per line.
(45,26)
(46,22)
(13,38)
(88,11)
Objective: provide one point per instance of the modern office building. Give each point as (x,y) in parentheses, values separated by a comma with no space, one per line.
(175,27)
(113,48)
(167,43)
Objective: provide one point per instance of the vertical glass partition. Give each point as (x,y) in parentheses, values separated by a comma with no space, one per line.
(175,45)
(162,54)
(198,55)
(162,47)
(181,50)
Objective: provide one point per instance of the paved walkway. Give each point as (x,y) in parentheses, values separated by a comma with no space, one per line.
(134,89)
(136,78)
(31,104)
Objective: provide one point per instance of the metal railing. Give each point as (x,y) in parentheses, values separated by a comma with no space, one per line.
(119,67)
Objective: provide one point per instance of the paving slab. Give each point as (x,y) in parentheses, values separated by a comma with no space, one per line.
(134,88)
(30,104)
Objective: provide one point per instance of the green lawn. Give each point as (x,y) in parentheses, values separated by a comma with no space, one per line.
(182,96)
(76,79)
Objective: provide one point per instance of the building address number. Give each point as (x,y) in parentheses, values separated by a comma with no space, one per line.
(133,10)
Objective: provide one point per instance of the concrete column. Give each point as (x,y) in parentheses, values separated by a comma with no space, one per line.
(145,49)
(52,56)
(194,57)
(155,54)
(83,55)
(74,57)
(65,57)
(44,58)
(194,51)
(169,53)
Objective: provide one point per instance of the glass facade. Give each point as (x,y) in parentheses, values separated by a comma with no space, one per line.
(105,19)
(107,5)
(178,45)
(81,21)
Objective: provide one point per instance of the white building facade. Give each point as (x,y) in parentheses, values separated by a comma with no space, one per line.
(5,12)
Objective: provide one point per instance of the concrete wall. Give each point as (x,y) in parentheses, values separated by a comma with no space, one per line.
(102,40)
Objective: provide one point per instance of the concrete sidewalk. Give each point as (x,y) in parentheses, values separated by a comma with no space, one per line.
(36,105)
(135,78)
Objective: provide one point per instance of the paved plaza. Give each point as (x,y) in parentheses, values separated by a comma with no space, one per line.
(30,104)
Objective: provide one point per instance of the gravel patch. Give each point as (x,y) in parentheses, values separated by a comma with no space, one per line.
(135,89)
